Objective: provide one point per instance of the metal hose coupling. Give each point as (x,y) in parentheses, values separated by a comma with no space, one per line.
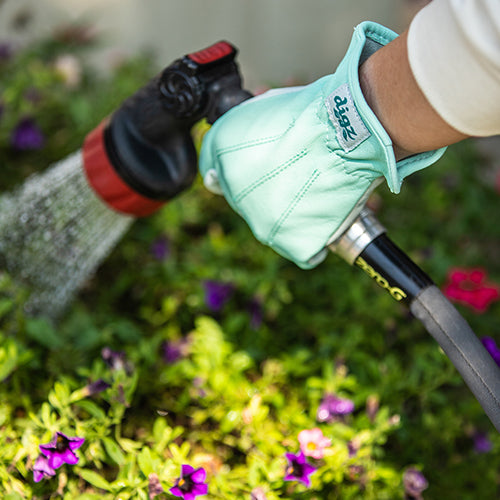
(366,245)
(361,233)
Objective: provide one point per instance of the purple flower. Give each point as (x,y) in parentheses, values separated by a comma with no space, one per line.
(353,448)
(217,294)
(42,469)
(482,444)
(298,469)
(154,486)
(492,348)
(255,311)
(33,95)
(27,136)
(116,360)
(60,450)
(173,350)
(160,248)
(331,407)
(191,483)
(5,51)
(414,483)
(95,388)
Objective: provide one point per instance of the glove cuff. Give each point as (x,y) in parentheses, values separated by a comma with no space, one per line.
(353,119)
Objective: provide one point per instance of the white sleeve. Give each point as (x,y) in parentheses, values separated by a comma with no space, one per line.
(454,53)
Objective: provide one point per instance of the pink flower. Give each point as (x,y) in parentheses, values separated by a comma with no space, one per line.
(469,287)
(313,442)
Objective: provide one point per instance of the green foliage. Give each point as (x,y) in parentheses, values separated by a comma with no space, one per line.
(246,379)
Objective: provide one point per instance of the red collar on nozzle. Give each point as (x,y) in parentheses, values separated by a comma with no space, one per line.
(106,183)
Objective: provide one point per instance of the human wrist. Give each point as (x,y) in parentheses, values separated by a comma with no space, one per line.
(392,93)
(368,83)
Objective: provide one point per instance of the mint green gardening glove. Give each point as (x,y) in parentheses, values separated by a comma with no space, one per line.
(298,164)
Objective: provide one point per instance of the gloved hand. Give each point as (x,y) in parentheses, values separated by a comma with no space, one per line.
(298,164)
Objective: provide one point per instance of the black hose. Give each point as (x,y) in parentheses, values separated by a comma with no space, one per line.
(461,345)
(366,245)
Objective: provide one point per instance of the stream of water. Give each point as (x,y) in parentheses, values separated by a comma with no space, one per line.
(54,233)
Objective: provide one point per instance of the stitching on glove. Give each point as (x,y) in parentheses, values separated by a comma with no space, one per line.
(364,173)
(378,37)
(255,142)
(284,216)
(269,175)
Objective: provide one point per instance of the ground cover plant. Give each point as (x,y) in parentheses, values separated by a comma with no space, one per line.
(198,364)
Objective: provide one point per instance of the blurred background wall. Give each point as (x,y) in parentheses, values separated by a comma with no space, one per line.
(278,39)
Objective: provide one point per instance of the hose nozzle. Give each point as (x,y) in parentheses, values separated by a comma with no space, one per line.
(143,155)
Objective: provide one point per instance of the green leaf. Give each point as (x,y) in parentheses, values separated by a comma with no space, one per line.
(114,451)
(129,445)
(91,408)
(95,479)
(5,306)
(13,496)
(59,396)
(8,359)
(48,418)
(145,462)
(41,331)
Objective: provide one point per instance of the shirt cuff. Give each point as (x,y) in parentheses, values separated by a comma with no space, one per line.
(454,53)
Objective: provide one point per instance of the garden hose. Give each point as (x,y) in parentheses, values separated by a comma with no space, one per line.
(366,245)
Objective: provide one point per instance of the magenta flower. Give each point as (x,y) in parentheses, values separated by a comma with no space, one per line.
(414,483)
(332,407)
(217,294)
(60,450)
(492,348)
(298,469)
(191,483)
(27,135)
(313,443)
(42,469)
(470,288)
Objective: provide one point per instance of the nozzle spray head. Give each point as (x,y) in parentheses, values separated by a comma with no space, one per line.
(143,155)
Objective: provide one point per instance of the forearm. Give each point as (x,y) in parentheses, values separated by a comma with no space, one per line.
(391,91)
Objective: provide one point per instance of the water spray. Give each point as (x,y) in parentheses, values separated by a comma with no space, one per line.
(60,225)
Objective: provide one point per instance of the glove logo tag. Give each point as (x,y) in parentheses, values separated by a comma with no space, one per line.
(351,131)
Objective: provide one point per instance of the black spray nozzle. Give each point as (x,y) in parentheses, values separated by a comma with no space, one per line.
(203,84)
(148,139)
